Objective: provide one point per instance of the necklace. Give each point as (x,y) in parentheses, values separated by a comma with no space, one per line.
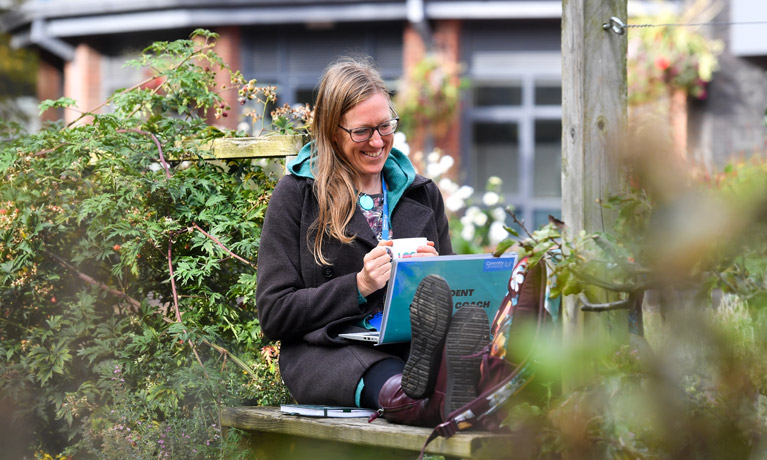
(365,201)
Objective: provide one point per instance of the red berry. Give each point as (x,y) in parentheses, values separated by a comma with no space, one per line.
(116,247)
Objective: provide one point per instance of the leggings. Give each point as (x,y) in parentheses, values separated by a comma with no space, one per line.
(375,377)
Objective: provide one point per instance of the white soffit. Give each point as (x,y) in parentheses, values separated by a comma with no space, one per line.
(541,9)
(748,39)
(502,63)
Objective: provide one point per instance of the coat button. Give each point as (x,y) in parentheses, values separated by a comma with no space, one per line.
(327,272)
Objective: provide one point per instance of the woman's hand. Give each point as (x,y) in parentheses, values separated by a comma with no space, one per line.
(426,251)
(376,269)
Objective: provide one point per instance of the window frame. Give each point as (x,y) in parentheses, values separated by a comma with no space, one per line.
(525,116)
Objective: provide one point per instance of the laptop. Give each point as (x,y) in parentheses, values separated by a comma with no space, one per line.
(479,279)
(368,336)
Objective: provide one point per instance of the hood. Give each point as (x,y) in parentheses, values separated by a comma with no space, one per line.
(398,172)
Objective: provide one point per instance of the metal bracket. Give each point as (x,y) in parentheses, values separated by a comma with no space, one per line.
(616,25)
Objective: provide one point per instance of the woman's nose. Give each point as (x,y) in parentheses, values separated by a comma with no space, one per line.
(377,139)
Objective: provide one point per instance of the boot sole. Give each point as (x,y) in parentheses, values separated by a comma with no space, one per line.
(469,333)
(430,314)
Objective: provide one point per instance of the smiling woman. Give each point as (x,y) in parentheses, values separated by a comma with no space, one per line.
(323,263)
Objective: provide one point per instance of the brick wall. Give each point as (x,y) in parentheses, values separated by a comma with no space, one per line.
(82,80)
(49,87)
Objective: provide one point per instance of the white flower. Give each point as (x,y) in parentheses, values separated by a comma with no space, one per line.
(465,192)
(400,143)
(454,203)
(497,233)
(155,167)
(472,211)
(446,162)
(490,198)
(518,277)
(433,157)
(466,220)
(447,186)
(494,180)
(468,232)
(499,215)
(434,170)
(479,219)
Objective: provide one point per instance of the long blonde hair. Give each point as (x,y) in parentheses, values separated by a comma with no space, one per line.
(345,83)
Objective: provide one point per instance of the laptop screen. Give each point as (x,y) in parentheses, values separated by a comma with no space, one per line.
(481,279)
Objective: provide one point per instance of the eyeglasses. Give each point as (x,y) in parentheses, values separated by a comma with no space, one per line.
(363,134)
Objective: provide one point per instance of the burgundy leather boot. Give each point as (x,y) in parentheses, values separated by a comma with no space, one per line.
(397,407)
(455,382)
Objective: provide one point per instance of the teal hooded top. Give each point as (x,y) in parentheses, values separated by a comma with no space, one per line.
(398,172)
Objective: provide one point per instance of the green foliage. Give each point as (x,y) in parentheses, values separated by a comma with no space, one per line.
(710,236)
(696,386)
(92,218)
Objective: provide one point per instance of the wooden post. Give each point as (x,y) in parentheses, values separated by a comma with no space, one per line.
(594,124)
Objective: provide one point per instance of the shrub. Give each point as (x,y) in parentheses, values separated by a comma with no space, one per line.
(127,280)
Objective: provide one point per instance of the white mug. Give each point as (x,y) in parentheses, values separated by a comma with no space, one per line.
(406,247)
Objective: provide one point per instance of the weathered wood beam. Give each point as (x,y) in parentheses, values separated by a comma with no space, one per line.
(276,146)
(594,124)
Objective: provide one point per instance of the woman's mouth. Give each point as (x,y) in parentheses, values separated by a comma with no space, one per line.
(375,154)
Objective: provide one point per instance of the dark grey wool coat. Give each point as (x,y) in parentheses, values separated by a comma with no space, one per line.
(305,305)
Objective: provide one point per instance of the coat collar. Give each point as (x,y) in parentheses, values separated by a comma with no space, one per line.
(409,215)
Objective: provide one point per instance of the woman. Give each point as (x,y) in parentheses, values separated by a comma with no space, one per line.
(323,261)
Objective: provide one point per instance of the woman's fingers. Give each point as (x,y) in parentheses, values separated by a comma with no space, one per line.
(427,250)
(375,271)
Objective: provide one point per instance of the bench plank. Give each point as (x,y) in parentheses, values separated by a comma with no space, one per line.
(380,434)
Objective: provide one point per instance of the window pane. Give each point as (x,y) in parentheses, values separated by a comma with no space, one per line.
(548,93)
(541,217)
(506,94)
(496,149)
(548,158)
(306,96)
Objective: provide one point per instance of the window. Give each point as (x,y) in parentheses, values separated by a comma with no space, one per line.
(515,123)
(293,60)
(499,93)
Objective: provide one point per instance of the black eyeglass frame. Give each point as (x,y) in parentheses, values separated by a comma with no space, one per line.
(372,129)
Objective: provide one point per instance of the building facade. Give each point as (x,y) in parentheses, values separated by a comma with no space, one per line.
(509,120)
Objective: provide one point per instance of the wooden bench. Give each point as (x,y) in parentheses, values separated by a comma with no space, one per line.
(277,436)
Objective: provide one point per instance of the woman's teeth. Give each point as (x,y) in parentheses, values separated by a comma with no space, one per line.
(373,154)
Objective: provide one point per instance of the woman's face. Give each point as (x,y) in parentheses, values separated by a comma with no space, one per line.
(367,157)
